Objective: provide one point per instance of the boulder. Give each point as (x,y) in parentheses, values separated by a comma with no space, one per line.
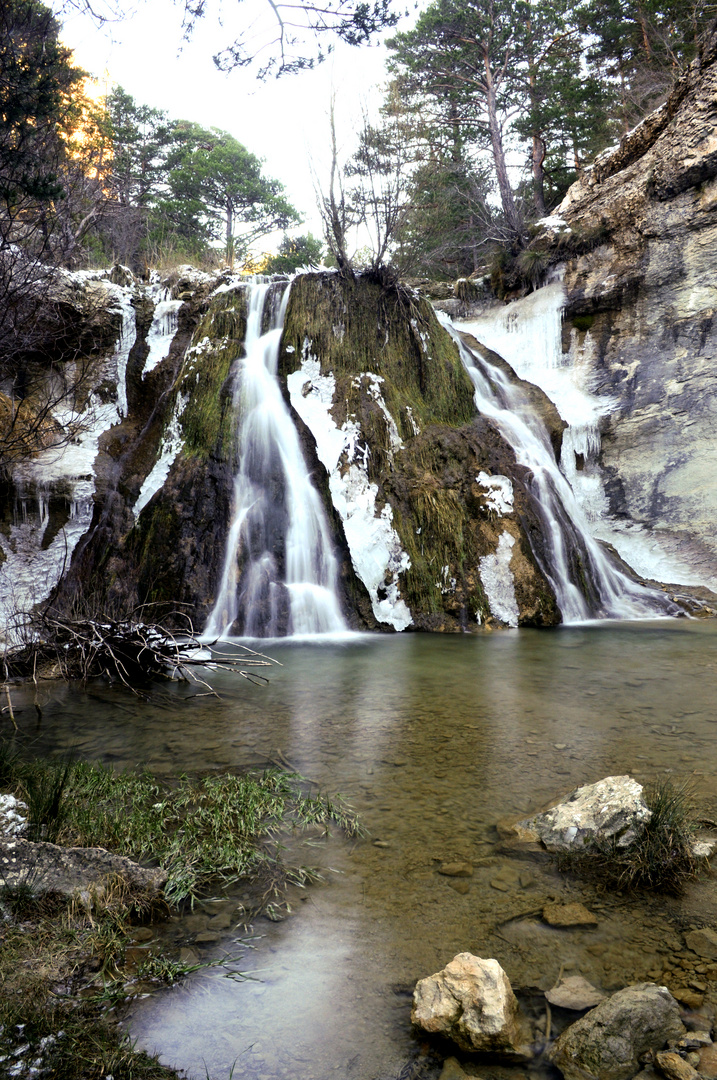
(471,1002)
(608,1042)
(51,870)
(610,809)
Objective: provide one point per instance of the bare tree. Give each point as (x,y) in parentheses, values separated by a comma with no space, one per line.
(337,213)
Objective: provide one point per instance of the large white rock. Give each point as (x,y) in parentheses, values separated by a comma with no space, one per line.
(612,808)
(471,1002)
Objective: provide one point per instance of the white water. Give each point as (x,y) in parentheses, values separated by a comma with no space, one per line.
(569,548)
(278,534)
(528,333)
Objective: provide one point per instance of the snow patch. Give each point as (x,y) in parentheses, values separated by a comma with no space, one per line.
(374,544)
(172,443)
(161,333)
(498,581)
(500,492)
(13,816)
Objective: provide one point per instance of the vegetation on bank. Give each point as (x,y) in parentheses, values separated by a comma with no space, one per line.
(62,964)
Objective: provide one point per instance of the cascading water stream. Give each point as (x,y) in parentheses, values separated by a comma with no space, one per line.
(586,582)
(279,575)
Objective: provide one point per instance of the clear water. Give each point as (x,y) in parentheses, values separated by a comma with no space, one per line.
(434,740)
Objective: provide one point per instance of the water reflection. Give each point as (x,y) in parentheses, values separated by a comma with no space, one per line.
(434,740)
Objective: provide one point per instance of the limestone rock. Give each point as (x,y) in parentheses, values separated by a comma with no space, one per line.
(611,808)
(608,1042)
(708,1062)
(703,942)
(568,915)
(471,1002)
(640,314)
(452,1070)
(575,993)
(67,872)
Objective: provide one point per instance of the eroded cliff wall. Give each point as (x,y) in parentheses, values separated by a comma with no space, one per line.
(641,313)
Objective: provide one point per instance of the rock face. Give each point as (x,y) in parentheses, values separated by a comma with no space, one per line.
(607,1043)
(471,1002)
(641,315)
(610,809)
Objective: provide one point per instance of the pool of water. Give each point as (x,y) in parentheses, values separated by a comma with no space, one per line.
(434,740)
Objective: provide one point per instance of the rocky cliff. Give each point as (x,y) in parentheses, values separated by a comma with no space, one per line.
(640,313)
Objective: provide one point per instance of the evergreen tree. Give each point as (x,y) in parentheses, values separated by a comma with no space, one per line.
(294,253)
(217,190)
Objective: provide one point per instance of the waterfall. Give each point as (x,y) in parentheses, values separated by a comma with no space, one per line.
(279,574)
(586,582)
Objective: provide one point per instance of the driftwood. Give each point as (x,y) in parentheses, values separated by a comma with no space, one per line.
(127,650)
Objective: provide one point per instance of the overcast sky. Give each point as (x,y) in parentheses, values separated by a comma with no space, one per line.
(282,121)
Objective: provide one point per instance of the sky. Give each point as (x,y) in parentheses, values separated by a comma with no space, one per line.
(283,121)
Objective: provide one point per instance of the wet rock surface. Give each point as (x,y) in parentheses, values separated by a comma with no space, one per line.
(609,1041)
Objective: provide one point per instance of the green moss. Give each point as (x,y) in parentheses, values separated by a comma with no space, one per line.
(208,419)
(356,326)
(583,322)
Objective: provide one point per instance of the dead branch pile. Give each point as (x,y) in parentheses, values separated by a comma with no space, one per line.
(125,650)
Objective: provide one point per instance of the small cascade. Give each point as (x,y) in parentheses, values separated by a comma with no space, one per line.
(586,582)
(279,575)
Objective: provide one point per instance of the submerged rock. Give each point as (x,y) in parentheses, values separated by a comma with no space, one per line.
(610,809)
(568,915)
(471,1002)
(608,1042)
(575,993)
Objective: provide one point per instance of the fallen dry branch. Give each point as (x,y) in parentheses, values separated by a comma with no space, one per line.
(127,650)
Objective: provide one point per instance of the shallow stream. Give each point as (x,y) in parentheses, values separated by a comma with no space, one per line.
(433,740)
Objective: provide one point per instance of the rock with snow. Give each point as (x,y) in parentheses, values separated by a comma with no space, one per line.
(611,809)
(471,1002)
(608,1042)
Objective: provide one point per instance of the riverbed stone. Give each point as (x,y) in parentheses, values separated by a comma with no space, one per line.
(471,1002)
(456,869)
(568,915)
(52,870)
(708,1062)
(576,993)
(452,1070)
(608,1042)
(674,1067)
(703,942)
(611,809)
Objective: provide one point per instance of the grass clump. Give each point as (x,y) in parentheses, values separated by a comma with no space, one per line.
(659,858)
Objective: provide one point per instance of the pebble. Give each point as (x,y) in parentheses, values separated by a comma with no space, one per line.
(459,885)
(452,1070)
(703,942)
(206,937)
(142,933)
(381,843)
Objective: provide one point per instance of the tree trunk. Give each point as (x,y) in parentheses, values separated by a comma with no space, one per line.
(496,139)
(230,234)
(537,159)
